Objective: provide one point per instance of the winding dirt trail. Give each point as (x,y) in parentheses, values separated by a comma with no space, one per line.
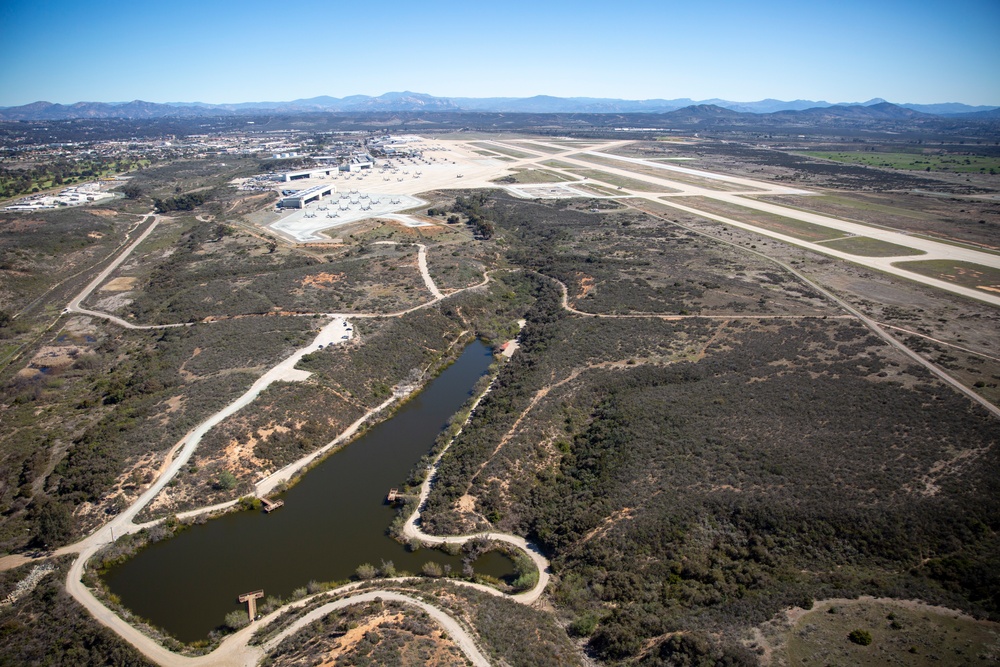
(456,632)
(235,650)
(411,529)
(422,265)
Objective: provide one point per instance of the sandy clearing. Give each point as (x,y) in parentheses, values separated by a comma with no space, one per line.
(120,284)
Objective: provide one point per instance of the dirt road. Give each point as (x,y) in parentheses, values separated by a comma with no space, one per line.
(75,307)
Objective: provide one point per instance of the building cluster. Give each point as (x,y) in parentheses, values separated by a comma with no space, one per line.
(74,196)
(393,146)
(318,155)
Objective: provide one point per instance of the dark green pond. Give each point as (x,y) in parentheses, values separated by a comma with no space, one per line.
(332,521)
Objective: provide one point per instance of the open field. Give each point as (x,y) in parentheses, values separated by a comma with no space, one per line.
(867,247)
(503,150)
(559,164)
(806,231)
(534,176)
(966,274)
(855,207)
(901,634)
(621,181)
(539,147)
(974,222)
(651,170)
(926,161)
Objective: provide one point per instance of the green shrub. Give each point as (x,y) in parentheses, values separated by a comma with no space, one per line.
(860,637)
(365,571)
(237,619)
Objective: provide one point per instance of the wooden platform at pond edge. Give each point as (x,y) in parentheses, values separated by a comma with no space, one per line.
(271,505)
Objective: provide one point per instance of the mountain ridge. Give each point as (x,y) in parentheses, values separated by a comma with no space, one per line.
(412,101)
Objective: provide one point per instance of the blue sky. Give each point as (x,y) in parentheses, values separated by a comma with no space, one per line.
(221,51)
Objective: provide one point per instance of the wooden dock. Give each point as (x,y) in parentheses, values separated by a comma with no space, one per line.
(271,505)
(251,600)
(393,494)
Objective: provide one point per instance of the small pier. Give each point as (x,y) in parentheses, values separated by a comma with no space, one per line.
(271,505)
(251,600)
(392,495)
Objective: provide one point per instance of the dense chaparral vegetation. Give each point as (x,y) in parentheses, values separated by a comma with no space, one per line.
(688,478)
(788,461)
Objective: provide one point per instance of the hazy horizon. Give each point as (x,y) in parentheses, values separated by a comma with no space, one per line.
(391,92)
(227,53)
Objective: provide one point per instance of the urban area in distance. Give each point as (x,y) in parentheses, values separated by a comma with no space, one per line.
(598,360)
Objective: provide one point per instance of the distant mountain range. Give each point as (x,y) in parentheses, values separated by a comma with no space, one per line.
(418,102)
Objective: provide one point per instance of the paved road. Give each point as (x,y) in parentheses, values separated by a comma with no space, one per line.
(234,651)
(874,326)
(675,192)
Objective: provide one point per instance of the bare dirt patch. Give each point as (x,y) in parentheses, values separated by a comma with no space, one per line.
(467,503)
(869,247)
(81,325)
(239,457)
(113,303)
(174,404)
(366,636)
(586,285)
(53,357)
(121,284)
(321,280)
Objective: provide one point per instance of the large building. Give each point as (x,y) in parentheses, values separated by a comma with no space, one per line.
(308,173)
(358,161)
(303,197)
